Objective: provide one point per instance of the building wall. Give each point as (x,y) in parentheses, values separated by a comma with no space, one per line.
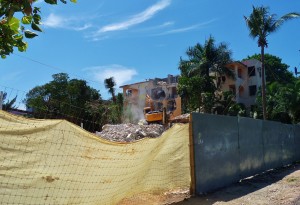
(252,81)
(160,90)
(242,81)
(134,100)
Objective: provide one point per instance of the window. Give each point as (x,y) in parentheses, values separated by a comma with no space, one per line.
(240,73)
(252,90)
(259,71)
(219,81)
(241,90)
(223,79)
(251,71)
(128,93)
(232,89)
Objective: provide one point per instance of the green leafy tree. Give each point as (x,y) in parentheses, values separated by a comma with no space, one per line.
(120,104)
(194,92)
(13,29)
(282,102)
(294,101)
(9,104)
(226,105)
(114,110)
(107,111)
(110,86)
(276,71)
(63,98)
(196,86)
(203,59)
(97,112)
(261,24)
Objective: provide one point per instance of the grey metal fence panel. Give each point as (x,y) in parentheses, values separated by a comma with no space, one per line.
(216,151)
(288,144)
(250,147)
(297,142)
(272,142)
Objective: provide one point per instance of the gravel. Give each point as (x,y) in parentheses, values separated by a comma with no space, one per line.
(130,132)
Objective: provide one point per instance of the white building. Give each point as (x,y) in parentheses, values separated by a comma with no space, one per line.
(159,90)
(248,79)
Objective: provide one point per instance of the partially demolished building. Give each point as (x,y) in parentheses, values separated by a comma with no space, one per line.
(155,93)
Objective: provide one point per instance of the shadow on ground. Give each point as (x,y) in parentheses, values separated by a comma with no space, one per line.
(244,187)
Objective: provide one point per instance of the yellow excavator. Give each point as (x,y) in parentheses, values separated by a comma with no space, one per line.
(162,111)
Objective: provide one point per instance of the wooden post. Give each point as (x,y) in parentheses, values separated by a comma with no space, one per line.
(192,157)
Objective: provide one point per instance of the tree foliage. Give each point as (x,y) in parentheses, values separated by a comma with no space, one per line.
(14,29)
(115,109)
(276,70)
(261,24)
(106,111)
(74,100)
(203,59)
(62,98)
(8,104)
(193,91)
(226,105)
(282,102)
(196,87)
(110,84)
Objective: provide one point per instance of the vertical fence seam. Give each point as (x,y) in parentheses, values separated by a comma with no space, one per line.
(263,144)
(239,150)
(192,157)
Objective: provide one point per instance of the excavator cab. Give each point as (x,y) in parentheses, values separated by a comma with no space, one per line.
(152,116)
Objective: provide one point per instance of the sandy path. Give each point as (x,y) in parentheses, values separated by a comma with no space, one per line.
(280,186)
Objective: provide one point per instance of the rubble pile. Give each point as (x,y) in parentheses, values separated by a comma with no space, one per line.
(184,118)
(130,132)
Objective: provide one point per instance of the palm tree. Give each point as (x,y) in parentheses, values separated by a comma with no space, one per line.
(196,86)
(261,24)
(110,85)
(206,58)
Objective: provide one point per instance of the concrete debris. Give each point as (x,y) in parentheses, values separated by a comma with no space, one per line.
(185,118)
(162,83)
(130,132)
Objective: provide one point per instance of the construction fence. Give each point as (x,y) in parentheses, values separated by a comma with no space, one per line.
(57,162)
(227,149)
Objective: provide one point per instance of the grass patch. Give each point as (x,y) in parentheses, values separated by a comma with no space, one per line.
(292,179)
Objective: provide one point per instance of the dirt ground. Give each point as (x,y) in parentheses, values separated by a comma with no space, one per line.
(279,186)
(276,187)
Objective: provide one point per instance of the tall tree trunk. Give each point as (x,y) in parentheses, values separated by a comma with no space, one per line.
(263,84)
(114,96)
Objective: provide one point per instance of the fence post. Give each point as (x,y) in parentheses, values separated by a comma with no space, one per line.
(1,99)
(192,157)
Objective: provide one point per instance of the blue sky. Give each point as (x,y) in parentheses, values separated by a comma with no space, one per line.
(138,39)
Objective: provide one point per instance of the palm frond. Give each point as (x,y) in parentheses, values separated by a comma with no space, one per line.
(284,18)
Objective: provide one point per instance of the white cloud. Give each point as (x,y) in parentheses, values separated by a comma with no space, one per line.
(161,26)
(84,27)
(56,21)
(120,73)
(179,30)
(185,29)
(169,23)
(136,19)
